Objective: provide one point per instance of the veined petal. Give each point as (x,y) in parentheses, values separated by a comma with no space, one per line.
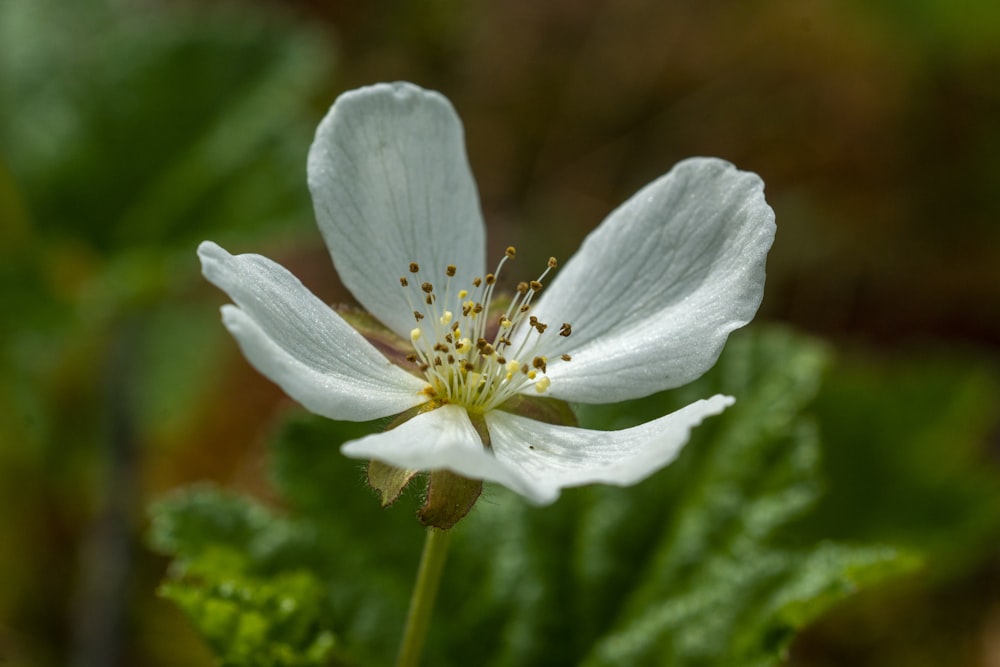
(302,345)
(546,458)
(391,185)
(655,290)
(438,439)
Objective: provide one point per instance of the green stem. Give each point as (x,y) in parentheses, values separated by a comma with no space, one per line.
(418,618)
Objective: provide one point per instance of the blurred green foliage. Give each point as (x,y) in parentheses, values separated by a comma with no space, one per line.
(150,127)
(909,466)
(962,27)
(247,619)
(128,133)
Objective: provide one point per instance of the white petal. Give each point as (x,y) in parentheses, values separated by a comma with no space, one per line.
(438,439)
(655,290)
(391,185)
(302,345)
(530,457)
(546,458)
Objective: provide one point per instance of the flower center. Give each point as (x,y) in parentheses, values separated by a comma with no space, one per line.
(474,350)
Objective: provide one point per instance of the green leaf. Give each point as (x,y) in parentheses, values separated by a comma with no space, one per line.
(253,620)
(251,612)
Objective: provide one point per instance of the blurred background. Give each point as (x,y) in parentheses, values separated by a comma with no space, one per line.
(131,130)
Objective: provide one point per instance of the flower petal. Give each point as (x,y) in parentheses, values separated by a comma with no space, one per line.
(655,290)
(391,185)
(302,345)
(546,458)
(438,439)
(530,457)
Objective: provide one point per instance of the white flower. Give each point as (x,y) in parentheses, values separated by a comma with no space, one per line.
(646,304)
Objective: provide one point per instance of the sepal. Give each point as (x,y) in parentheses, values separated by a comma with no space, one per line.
(542,408)
(449,498)
(388,481)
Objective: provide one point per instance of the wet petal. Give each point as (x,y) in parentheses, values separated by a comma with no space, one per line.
(391,185)
(302,345)
(656,289)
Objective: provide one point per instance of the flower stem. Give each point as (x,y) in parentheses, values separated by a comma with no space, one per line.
(418,618)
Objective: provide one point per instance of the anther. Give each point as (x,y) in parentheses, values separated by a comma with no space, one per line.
(445,318)
(415,334)
(429,299)
(427,287)
(411,358)
(539,362)
(553,263)
(533,322)
(417,315)
(413,267)
(477,281)
(424,367)
(403,281)
(522,288)
(490,278)
(565,329)
(463,293)
(535,286)
(542,385)
(450,270)
(511,251)
(566,357)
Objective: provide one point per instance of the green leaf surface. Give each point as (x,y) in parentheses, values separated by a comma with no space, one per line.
(251,613)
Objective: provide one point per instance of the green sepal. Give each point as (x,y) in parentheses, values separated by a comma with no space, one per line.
(389,481)
(384,340)
(449,499)
(541,408)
